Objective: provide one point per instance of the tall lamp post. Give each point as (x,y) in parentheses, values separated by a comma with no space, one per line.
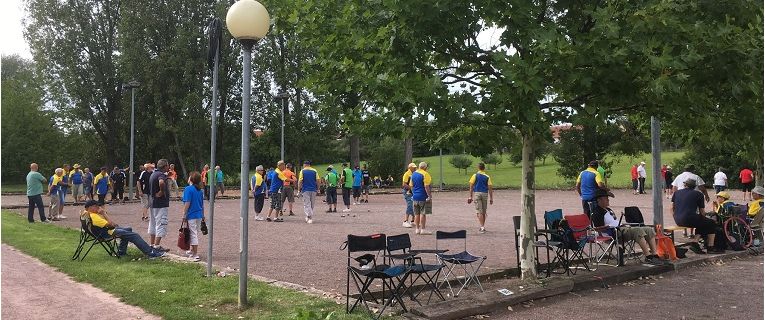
(248,22)
(132,85)
(282,97)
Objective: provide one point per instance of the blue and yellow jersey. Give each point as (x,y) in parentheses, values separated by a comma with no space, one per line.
(258,184)
(277,175)
(480,181)
(309,178)
(101,183)
(589,180)
(419,181)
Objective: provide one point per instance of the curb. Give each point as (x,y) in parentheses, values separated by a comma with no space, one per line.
(484,302)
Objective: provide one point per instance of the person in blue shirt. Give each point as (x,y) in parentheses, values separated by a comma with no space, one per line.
(308,184)
(422,200)
(193,211)
(277,181)
(76,176)
(258,187)
(219,180)
(358,183)
(480,192)
(588,182)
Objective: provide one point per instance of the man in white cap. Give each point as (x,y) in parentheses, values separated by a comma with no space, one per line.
(641,177)
(407,191)
(755,212)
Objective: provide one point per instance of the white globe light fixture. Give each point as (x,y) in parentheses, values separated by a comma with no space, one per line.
(248,22)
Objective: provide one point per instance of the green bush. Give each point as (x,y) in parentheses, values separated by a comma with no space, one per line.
(492,158)
(387,158)
(461,162)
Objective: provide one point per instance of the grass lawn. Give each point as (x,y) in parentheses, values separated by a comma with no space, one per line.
(188,294)
(508,175)
(13,188)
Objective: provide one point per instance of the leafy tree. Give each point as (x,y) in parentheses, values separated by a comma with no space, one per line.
(492,158)
(29,133)
(461,162)
(385,158)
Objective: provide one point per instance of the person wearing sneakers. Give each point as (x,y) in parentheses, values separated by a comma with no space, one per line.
(143,190)
(407,191)
(76,177)
(367,184)
(722,202)
(101,185)
(274,192)
(53,192)
(35,182)
(288,191)
(104,227)
(755,213)
(193,211)
(308,184)
(688,211)
(346,179)
(330,180)
(258,188)
(422,200)
(358,184)
(481,191)
(645,237)
(159,190)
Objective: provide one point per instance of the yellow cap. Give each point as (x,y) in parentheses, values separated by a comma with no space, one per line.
(412,165)
(723,194)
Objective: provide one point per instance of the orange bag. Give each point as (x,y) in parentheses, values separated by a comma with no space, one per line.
(665,247)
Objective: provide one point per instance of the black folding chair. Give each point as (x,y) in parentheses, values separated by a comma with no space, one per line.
(392,277)
(93,235)
(466,261)
(429,273)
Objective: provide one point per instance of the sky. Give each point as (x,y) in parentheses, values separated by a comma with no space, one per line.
(11,36)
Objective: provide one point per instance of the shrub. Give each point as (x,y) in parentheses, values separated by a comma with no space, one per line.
(461,161)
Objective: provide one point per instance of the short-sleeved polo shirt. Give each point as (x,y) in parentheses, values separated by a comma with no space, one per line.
(481,181)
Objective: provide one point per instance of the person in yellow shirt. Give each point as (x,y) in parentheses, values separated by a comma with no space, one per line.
(54,188)
(755,212)
(104,227)
(407,191)
(102,185)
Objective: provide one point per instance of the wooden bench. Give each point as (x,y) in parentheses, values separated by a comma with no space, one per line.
(671,230)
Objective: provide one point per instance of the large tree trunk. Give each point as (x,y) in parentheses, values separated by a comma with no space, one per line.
(180,156)
(408,152)
(528,218)
(355,157)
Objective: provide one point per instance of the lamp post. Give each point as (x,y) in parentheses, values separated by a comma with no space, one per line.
(132,85)
(282,97)
(248,22)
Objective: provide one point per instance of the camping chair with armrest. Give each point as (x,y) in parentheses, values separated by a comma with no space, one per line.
(93,235)
(470,264)
(392,277)
(633,217)
(400,248)
(579,228)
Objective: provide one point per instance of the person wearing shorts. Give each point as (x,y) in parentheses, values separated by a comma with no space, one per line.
(274,192)
(193,211)
(87,184)
(172,179)
(481,194)
(366,183)
(668,177)
(143,190)
(258,188)
(330,179)
(688,211)
(159,190)
(358,184)
(288,191)
(53,190)
(746,177)
(76,177)
(421,197)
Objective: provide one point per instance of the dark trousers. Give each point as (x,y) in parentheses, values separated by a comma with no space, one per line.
(36,201)
(101,199)
(207,192)
(587,206)
(347,196)
(641,183)
(259,201)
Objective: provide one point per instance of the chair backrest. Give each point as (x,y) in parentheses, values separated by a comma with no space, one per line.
(399,242)
(633,215)
(517,224)
(375,242)
(552,216)
(456,235)
(579,223)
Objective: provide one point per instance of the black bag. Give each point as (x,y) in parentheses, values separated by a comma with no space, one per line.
(203,228)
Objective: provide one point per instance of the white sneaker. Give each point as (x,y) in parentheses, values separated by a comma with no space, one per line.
(482,230)
(195,258)
(310,221)
(406,224)
(188,253)
(417,231)
(423,231)
(259,218)
(346,210)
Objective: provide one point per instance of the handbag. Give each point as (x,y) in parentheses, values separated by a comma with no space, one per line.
(665,248)
(184,234)
(203,228)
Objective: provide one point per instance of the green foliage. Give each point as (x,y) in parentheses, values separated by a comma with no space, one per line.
(461,162)
(29,133)
(386,157)
(492,158)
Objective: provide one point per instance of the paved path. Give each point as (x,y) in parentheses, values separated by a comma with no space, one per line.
(309,254)
(34,290)
(728,290)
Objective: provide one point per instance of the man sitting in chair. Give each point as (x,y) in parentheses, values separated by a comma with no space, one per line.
(104,227)
(645,237)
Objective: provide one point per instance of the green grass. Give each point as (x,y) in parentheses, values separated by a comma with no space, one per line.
(508,175)
(188,295)
(13,188)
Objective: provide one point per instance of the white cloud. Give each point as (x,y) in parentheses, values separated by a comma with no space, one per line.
(11,37)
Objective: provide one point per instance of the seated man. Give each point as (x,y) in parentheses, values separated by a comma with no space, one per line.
(722,202)
(755,213)
(688,211)
(103,227)
(645,237)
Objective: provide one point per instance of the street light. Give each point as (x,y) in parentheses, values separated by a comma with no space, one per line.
(132,85)
(283,98)
(248,22)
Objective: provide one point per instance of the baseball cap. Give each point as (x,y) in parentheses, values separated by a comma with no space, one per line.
(723,194)
(593,163)
(90,203)
(642,162)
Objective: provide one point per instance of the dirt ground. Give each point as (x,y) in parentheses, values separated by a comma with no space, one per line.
(310,254)
(722,290)
(40,296)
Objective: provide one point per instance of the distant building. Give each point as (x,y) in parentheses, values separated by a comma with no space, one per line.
(556,130)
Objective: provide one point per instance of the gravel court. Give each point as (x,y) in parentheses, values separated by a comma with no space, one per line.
(310,255)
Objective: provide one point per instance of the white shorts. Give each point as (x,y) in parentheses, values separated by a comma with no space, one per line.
(158,222)
(194,231)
